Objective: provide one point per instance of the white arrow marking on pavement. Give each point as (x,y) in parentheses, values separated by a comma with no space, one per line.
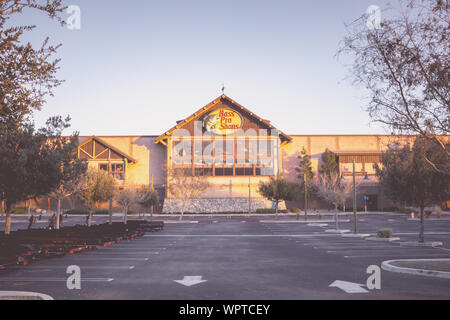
(190,281)
(349,287)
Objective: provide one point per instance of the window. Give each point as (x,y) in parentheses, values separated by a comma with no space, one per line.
(118,171)
(223,157)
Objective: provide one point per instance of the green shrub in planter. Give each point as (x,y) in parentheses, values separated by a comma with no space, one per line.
(428,213)
(295,210)
(270,211)
(19,210)
(384,233)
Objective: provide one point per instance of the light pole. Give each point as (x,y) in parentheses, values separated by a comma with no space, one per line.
(249,196)
(355,213)
(306,196)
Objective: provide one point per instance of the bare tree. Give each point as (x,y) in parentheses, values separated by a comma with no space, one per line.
(126,197)
(147,197)
(334,190)
(186,187)
(404,65)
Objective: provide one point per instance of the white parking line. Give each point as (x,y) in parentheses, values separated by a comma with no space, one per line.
(243,236)
(120,253)
(421,255)
(54,280)
(52,268)
(355,248)
(82,258)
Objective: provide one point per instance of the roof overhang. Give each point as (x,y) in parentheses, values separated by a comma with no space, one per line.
(109,146)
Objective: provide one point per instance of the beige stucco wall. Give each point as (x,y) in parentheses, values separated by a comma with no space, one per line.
(150,158)
(316,146)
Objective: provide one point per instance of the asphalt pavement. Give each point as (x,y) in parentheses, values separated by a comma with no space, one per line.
(241,258)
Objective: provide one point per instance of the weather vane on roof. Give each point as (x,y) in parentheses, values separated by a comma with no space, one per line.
(223,88)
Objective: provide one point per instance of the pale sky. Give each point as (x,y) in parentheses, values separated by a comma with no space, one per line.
(136,67)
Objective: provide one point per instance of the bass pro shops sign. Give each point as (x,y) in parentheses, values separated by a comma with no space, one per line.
(223,122)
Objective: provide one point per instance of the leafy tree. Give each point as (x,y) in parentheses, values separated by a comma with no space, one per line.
(69,168)
(30,162)
(406,177)
(329,163)
(96,186)
(278,189)
(404,66)
(147,197)
(27,74)
(186,187)
(333,190)
(306,176)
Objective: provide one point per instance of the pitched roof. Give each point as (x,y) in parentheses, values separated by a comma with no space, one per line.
(208,107)
(107,145)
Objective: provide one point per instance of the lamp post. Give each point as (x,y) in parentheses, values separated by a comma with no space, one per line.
(306,196)
(355,213)
(249,196)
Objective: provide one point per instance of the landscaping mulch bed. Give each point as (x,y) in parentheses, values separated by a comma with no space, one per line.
(25,246)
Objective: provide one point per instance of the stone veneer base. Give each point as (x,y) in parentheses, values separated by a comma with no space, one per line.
(235,205)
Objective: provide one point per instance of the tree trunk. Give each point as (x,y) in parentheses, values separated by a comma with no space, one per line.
(110,213)
(58,214)
(422,225)
(8,219)
(125,215)
(90,218)
(151,213)
(336,216)
(182,211)
(276,206)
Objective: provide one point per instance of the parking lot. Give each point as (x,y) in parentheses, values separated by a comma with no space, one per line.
(243,257)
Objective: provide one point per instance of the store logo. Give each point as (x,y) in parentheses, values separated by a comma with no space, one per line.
(223,122)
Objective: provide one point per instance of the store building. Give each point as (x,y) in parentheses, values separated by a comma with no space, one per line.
(236,150)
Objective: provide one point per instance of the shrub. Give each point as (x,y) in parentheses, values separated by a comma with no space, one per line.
(270,211)
(295,210)
(428,213)
(384,233)
(83,212)
(19,210)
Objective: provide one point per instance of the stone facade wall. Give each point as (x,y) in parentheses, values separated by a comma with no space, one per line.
(219,205)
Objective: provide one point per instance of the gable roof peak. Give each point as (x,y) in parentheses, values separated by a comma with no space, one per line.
(205,109)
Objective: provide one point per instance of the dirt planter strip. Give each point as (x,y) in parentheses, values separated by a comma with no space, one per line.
(439,268)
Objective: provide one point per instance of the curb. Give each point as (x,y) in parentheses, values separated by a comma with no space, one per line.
(304,222)
(358,235)
(180,222)
(383,239)
(386,265)
(418,244)
(337,231)
(317,225)
(17,295)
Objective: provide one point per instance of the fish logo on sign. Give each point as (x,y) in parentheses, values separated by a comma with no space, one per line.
(223,122)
